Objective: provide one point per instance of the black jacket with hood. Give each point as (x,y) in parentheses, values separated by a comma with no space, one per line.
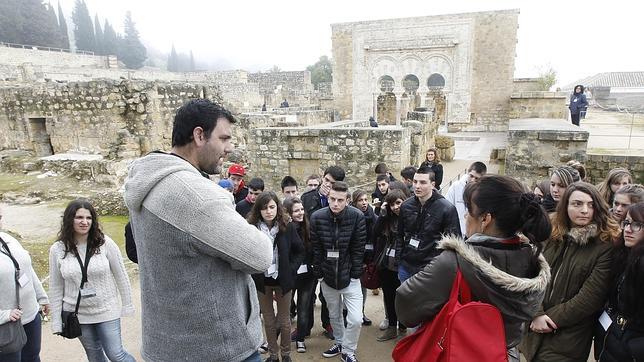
(506,276)
(345,233)
(428,224)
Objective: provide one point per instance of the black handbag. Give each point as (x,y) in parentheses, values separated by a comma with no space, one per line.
(71,326)
(12,334)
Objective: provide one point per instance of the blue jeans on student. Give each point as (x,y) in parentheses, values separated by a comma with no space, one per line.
(255,357)
(104,339)
(403,274)
(31,351)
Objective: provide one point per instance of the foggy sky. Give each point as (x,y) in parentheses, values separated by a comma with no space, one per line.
(577,38)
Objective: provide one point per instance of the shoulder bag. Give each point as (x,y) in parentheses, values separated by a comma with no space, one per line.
(12,334)
(71,326)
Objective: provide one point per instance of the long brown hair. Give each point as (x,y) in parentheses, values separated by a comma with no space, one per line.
(255,215)
(614,176)
(607,228)
(95,238)
(437,157)
(304,225)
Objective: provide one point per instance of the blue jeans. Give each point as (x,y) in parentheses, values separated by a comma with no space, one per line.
(31,351)
(104,339)
(255,357)
(403,274)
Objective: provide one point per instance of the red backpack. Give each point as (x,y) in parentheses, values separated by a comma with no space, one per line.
(462,331)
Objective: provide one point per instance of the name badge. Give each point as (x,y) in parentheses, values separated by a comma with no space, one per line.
(368,247)
(414,242)
(87,291)
(272,269)
(391,252)
(302,269)
(23,280)
(605,320)
(331,254)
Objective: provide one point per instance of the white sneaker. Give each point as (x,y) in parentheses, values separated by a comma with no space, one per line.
(301,347)
(384,324)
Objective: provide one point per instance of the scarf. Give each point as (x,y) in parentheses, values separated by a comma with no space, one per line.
(271,233)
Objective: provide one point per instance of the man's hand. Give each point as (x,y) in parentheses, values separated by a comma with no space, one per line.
(15,314)
(45,309)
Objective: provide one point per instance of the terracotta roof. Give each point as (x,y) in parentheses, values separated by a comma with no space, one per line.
(611,79)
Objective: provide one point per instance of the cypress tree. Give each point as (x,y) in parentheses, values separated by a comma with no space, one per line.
(83,27)
(99,36)
(192,62)
(132,51)
(110,40)
(173,60)
(62,25)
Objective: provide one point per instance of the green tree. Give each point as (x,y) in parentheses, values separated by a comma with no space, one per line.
(547,78)
(192,66)
(40,25)
(11,21)
(321,71)
(83,27)
(110,39)
(62,25)
(173,60)
(100,38)
(132,51)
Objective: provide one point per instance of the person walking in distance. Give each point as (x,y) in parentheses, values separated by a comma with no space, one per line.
(338,235)
(196,253)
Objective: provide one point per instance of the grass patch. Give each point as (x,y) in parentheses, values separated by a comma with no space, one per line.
(15,182)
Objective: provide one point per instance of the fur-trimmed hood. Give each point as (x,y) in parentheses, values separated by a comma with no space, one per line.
(583,235)
(509,282)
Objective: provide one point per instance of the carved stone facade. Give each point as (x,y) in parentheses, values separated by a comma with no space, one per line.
(401,64)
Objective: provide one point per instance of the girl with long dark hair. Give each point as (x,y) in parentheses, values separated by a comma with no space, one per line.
(622,325)
(501,259)
(580,253)
(278,281)
(433,161)
(82,246)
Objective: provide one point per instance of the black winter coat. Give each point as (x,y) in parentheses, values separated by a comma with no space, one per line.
(243,208)
(440,218)
(290,248)
(370,221)
(437,168)
(345,233)
(311,201)
(241,194)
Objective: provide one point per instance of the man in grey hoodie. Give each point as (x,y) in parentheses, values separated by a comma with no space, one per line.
(195,252)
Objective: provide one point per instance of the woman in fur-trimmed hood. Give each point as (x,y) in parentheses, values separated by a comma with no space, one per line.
(501,260)
(580,254)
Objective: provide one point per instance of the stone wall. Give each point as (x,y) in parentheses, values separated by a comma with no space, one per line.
(424,128)
(299,152)
(18,56)
(296,87)
(536,145)
(538,105)
(112,118)
(526,85)
(495,42)
(598,165)
(342,63)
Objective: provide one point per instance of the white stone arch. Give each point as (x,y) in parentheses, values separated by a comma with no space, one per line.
(384,65)
(411,64)
(441,64)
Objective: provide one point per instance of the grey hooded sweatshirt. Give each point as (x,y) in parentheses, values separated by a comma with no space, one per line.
(195,256)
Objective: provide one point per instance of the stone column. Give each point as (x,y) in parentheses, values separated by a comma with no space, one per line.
(423,95)
(375,106)
(398,92)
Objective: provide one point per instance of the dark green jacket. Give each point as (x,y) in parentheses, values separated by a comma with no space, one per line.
(581,276)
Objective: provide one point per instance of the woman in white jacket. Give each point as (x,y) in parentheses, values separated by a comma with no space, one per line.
(99,311)
(32,297)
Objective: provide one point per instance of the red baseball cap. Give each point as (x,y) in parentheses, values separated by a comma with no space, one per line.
(236,170)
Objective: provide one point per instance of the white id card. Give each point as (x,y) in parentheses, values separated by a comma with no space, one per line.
(332,254)
(391,252)
(23,280)
(368,247)
(605,320)
(414,242)
(87,291)
(272,269)
(302,269)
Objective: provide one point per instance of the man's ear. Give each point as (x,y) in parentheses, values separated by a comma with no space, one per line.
(199,136)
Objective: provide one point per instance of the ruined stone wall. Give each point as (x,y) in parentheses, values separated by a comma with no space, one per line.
(597,166)
(494,49)
(18,56)
(538,105)
(536,145)
(111,118)
(526,85)
(300,152)
(342,63)
(424,128)
(296,87)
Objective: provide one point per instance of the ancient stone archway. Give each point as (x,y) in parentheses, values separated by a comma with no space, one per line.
(386,101)
(411,84)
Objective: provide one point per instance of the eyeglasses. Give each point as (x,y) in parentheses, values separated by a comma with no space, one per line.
(635,226)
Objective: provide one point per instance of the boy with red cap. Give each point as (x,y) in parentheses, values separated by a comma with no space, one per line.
(236,174)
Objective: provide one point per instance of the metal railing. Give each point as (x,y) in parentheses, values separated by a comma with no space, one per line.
(634,141)
(49,49)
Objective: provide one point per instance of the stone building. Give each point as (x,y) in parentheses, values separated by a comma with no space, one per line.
(460,64)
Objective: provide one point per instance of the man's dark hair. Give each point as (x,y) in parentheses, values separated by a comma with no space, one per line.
(340,186)
(408,172)
(478,167)
(288,181)
(382,178)
(426,170)
(256,184)
(336,172)
(381,168)
(197,113)
(313,177)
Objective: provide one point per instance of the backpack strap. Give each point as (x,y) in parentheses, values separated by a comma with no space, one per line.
(17,270)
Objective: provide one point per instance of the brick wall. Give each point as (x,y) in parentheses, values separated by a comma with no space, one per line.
(538,105)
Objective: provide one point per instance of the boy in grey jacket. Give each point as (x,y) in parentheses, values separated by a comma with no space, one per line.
(195,252)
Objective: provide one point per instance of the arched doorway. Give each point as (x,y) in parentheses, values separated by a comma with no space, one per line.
(410,85)
(386,102)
